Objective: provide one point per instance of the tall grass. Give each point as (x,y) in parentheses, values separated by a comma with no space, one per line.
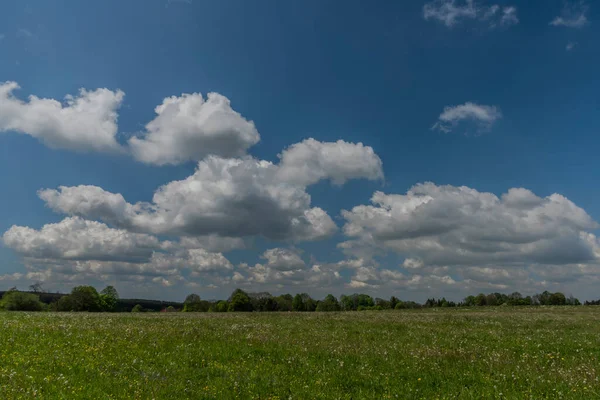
(494,353)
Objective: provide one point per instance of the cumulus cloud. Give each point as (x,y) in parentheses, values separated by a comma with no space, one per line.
(483,116)
(310,161)
(189,127)
(86,122)
(509,16)
(226,197)
(234,198)
(435,225)
(285,267)
(573,15)
(76,249)
(212,243)
(90,201)
(75,239)
(452,12)
(283,259)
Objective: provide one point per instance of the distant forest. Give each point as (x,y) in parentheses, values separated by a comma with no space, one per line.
(87,298)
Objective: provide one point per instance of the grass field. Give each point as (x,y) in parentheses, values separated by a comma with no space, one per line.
(491,353)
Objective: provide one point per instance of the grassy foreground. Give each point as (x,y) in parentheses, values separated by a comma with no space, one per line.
(498,352)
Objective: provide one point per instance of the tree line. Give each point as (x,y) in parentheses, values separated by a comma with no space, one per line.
(87,298)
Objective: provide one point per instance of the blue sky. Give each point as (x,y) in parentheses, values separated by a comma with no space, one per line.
(522,112)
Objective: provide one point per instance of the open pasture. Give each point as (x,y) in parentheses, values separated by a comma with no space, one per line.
(494,353)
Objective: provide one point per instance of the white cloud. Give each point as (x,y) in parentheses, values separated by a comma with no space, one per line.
(483,116)
(411,263)
(231,197)
(86,122)
(24,33)
(11,277)
(572,16)
(278,273)
(283,259)
(189,127)
(449,11)
(570,46)
(452,12)
(201,260)
(212,243)
(79,250)
(227,197)
(509,16)
(77,239)
(90,201)
(448,225)
(310,161)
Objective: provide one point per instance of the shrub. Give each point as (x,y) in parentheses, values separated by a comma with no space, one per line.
(21,301)
(192,303)
(137,308)
(240,301)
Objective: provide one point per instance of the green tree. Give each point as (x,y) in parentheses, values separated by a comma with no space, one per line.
(309,303)
(573,301)
(221,306)
(365,300)
(84,298)
(37,287)
(64,304)
(109,297)
(491,300)
(262,301)
(192,303)
(239,301)
(330,303)
(480,300)
(298,304)
(346,303)
(393,301)
(284,302)
(137,308)
(557,299)
(384,304)
(21,301)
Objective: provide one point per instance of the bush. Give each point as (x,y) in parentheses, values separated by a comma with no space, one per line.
(85,298)
(240,301)
(221,306)
(21,301)
(137,308)
(109,299)
(330,303)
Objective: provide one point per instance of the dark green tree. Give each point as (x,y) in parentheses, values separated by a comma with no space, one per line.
(480,300)
(192,303)
(298,304)
(109,297)
(346,303)
(239,301)
(221,306)
(557,299)
(284,302)
(137,308)
(330,303)
(21,301)
(85,298)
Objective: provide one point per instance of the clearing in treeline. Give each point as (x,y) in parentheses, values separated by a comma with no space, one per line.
(492,353)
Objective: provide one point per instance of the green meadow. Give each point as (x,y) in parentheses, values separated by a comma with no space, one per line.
(462,353)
